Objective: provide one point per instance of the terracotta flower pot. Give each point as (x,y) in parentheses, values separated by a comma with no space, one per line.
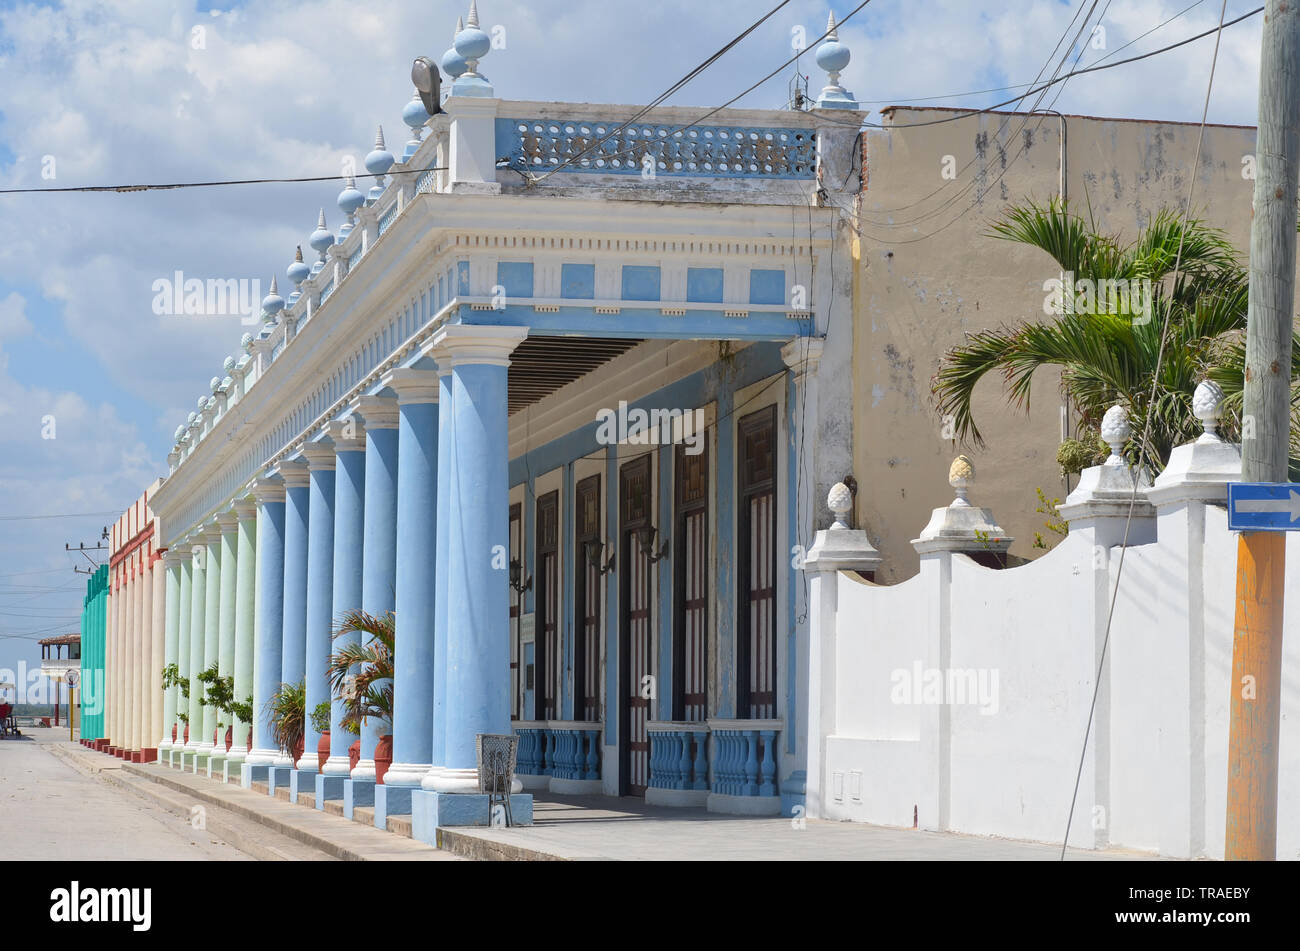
(230,736)
(354,754)
(250,739)
(323,750)
(187,733)
(173,732)
(296,752)
(383,756)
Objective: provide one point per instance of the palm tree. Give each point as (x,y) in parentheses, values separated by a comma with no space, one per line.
(1106,334)
(361,673)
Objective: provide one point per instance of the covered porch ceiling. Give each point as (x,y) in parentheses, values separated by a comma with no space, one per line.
(543,364)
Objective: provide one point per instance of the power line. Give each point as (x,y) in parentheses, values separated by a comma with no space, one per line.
(968,114)
(694,123)
(1143,444)
(26,518)
(1079,72)
(124,189)
(677,86)
(981,92)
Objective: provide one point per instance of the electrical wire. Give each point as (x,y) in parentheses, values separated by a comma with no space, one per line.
(1143,444)
(125,189)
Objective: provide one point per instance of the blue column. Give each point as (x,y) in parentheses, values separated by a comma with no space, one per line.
(416,559)
(268,630)
(446,442)
(379,552)
(293,634)
(349,515)
(320,590)
(478,620)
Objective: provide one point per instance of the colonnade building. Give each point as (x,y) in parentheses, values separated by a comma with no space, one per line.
(563,393)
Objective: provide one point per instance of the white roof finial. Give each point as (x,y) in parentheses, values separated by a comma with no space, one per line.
(274,288)
(460,27)
(379,139)
(831,33)
(472,22)
(320,224)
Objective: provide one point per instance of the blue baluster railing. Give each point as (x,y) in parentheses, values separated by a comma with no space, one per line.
(744,762)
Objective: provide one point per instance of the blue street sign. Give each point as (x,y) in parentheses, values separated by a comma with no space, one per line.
(1264,507)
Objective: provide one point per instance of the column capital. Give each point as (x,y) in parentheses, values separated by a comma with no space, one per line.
(266,490)
(295,474)
(175,557)
(379,412)
(319,455)
(803,354)
(348,435)
(469,344)
(228,520)
(210,533)
(245,509)
(413,385)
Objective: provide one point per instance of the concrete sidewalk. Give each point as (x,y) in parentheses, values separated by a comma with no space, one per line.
(325,836)
(576,828)
(595,828)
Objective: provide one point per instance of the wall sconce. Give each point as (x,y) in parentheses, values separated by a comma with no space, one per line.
(594,551)
(646,542)
(517,581)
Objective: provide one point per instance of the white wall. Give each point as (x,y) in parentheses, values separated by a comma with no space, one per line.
(1155,773)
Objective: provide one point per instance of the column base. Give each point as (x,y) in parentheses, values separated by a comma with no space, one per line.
(391,801)
(450,780)
(328,787)
(277,777)
(301,781)
(410,775)
(357,792)
(251,773)
(365,771)
(431,810)
(337,766)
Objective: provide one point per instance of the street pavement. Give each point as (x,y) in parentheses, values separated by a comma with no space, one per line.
(50,811)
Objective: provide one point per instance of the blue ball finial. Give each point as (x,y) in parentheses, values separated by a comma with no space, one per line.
(378,162)
(415,116)
(350,199)
(297,272)
(833,56)
(453,64)
(321,240)
(471,45)
(273,303)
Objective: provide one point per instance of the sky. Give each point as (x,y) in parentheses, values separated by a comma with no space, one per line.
(93,383)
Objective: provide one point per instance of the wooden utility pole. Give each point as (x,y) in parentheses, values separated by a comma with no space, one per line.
(1256,703)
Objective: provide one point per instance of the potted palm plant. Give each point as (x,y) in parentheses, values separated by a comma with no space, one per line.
(361,675)
(287,711)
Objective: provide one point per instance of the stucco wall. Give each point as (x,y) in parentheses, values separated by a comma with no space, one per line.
(929,272)
(1155,770)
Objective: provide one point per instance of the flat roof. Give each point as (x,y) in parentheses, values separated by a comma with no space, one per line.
(889,111)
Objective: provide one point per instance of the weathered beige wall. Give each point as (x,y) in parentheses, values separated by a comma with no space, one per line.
(929,272)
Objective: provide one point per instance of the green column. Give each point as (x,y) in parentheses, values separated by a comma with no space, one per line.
(186,559)
(245,575)
(198,589)
(211,621)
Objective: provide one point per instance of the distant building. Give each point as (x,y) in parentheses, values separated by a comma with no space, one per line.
(60,655)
